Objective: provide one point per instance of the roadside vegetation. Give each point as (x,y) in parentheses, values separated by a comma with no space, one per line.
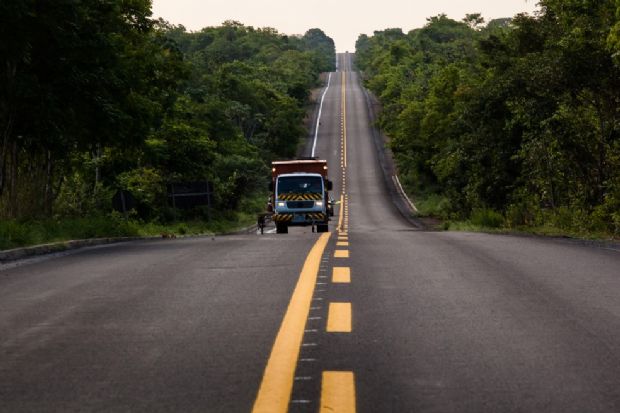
(96,97)
(510,124)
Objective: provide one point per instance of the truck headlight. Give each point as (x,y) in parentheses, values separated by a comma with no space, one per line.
(318,203)
(281,204)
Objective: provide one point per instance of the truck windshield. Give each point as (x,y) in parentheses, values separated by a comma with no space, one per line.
(300,185)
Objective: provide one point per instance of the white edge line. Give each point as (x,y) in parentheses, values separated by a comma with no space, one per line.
(402,191)
(318,119)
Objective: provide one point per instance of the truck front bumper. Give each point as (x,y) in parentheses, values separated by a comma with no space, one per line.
(300,218)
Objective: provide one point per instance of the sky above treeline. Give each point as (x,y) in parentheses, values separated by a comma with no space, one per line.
(342,20)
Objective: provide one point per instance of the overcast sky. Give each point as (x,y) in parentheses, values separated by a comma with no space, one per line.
(342,20)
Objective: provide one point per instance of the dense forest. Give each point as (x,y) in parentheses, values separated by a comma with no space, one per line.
(100,96)
(515,122)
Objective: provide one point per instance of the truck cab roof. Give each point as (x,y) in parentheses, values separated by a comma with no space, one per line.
(300,173)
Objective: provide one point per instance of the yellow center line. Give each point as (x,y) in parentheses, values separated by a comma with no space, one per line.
(341,275)
(275,390)
(341,254)
(338,392)
(340,220)
(339,318)
(344,117)
(342,244)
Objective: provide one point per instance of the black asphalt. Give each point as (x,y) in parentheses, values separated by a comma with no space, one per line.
(179,325)
(442,321)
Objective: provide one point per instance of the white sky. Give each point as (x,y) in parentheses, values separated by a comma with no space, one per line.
(342,20)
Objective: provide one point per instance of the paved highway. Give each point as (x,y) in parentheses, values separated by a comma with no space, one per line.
(375,316)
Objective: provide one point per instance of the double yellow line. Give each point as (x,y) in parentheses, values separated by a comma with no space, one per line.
(275,391)
(343,147)
(337,387)
(344,118)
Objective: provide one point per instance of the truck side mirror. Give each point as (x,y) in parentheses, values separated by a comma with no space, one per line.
(270,186)
(330,185)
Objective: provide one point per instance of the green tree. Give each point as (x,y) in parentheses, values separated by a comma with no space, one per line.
(520,116)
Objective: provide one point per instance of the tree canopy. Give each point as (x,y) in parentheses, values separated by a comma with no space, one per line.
(97,96)
(520,116)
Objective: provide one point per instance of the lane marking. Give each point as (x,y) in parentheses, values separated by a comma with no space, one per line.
(341,275)
(342,244)
(341,254)
(274,394)
(339,318)
(318,119)
(344,116)
(404,194)
(338,392)
(340,218)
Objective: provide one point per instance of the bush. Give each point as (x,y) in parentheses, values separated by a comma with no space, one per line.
(77,197)
(147,187)
(15,233)
(487,218)
(433,205)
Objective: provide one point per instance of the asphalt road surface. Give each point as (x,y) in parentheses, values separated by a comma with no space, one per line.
(375,316)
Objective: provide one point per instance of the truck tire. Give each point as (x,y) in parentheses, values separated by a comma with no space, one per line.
(322,228)
(281,228)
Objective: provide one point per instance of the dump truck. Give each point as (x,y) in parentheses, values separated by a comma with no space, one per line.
(300,194)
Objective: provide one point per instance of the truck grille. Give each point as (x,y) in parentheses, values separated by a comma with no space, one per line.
(299,204)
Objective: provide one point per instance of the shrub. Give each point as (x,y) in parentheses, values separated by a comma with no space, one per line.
(487,218)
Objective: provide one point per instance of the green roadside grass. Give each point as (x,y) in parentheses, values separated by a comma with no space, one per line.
(16,234)
(433,207)
(542,230)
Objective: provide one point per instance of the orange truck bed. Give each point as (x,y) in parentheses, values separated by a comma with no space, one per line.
(307,166)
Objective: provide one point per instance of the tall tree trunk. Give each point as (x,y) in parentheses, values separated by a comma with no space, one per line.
(602,162)
(49,190)
(3,152)
(13,207)
(97,157)
(7,130)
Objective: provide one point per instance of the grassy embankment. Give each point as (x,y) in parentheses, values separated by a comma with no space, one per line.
(559,223)
(14,234)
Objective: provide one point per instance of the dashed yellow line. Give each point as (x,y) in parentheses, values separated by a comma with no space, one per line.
(344,117)
(338,387)
(341,275)
(339,318)
(340,218)
(341,254)
(338,392)
(275,390)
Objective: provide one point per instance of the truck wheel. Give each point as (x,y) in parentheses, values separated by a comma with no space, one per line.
(281,228)
(322,228)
